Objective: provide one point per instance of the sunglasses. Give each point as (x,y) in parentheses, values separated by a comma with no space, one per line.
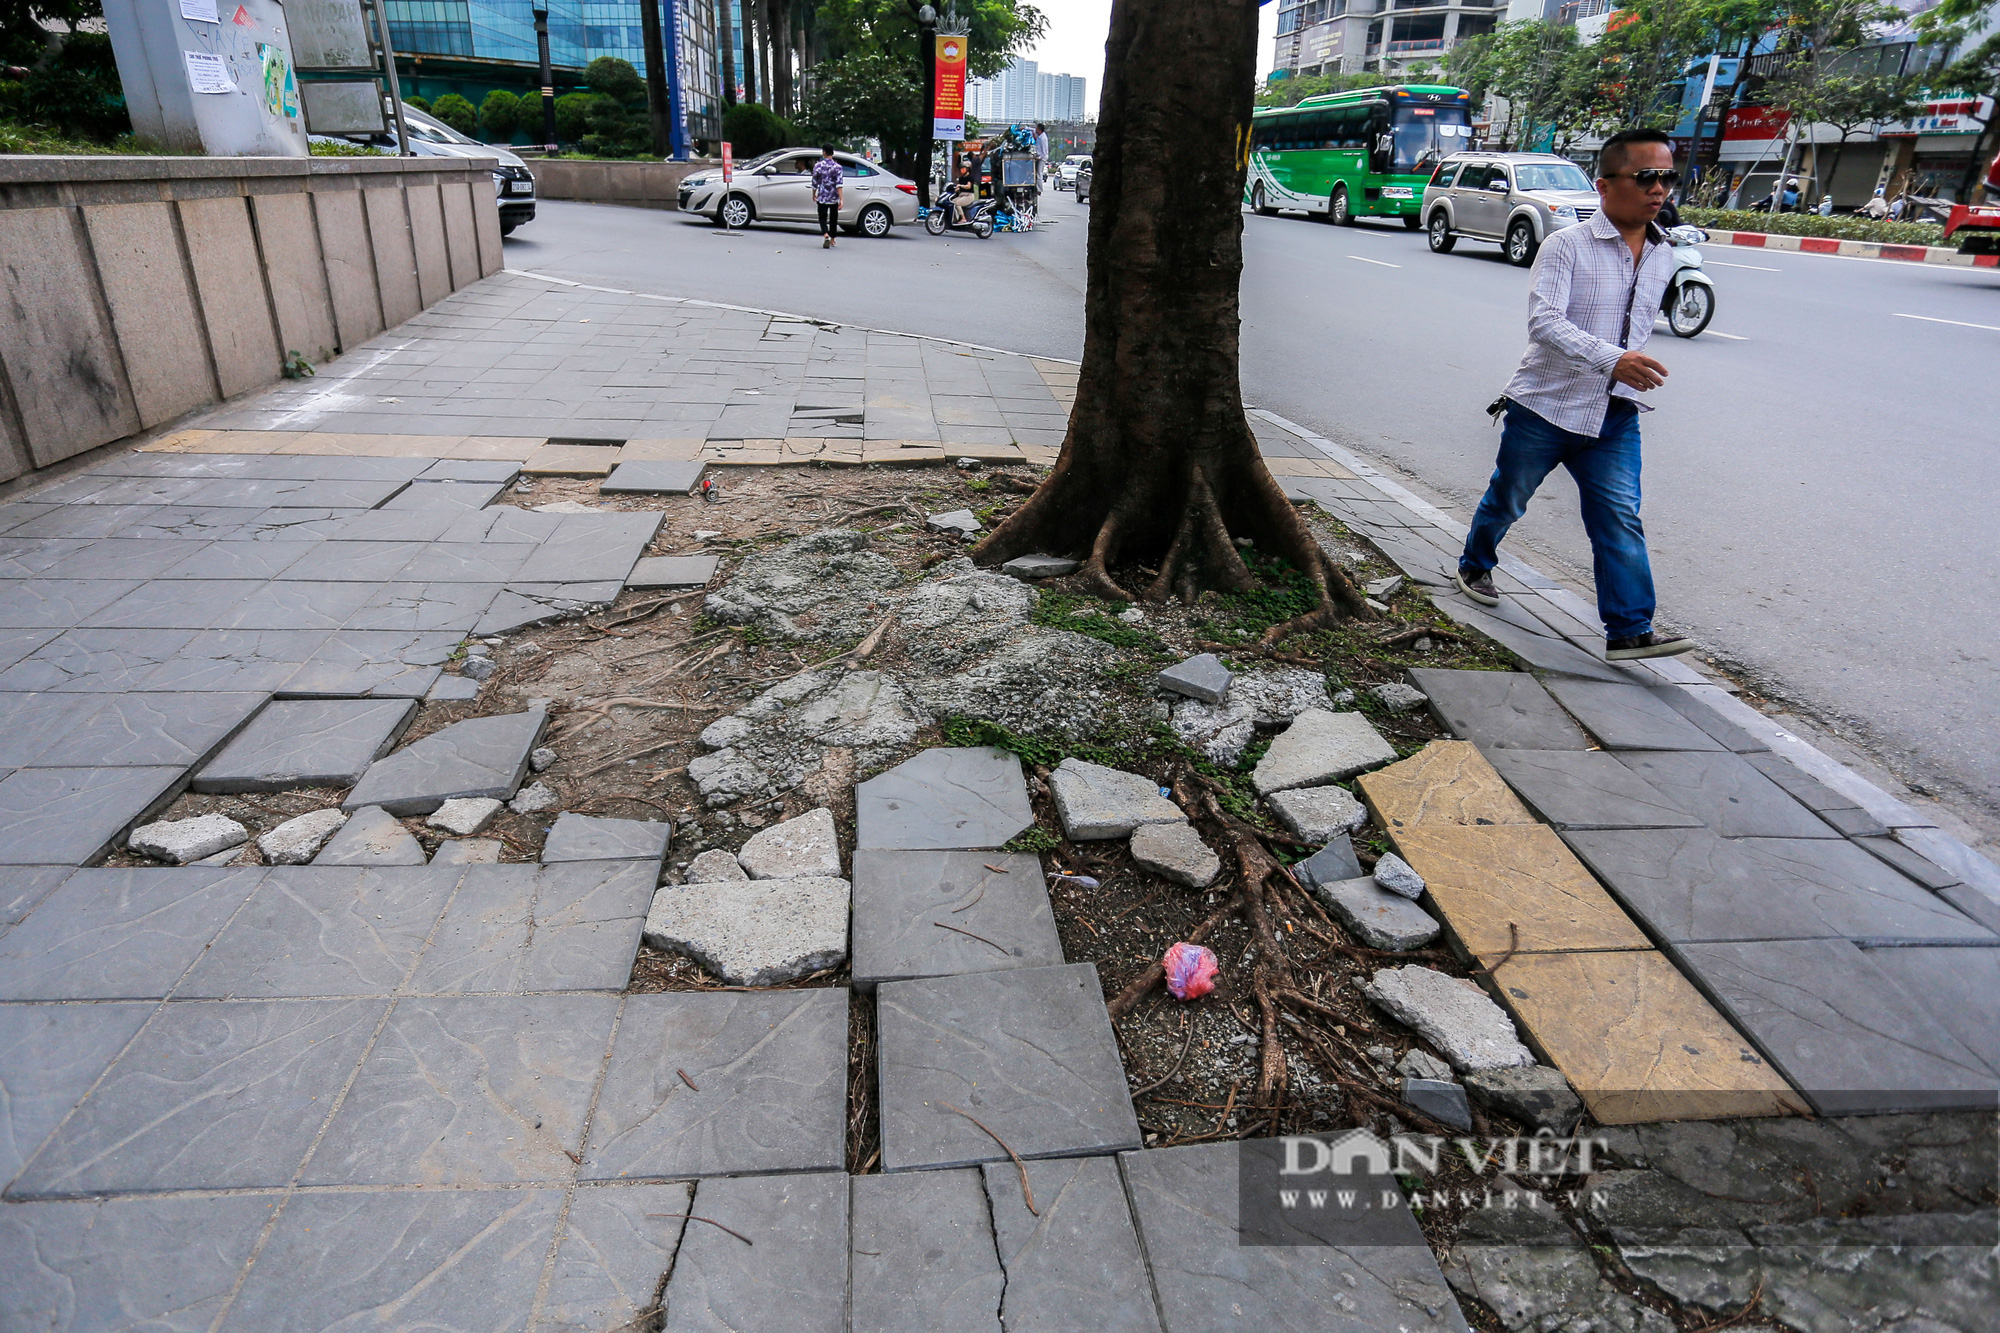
(1649,177)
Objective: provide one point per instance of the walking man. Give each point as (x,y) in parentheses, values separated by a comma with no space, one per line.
(1575,399)
(827,186)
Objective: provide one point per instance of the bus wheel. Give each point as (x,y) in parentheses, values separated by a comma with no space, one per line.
(1340,212)
(1257,204)
(1440,233)
(1521,245)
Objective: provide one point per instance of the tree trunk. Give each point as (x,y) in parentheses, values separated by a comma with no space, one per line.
(1159,467)
(749,49)
(780,29)
(725,57)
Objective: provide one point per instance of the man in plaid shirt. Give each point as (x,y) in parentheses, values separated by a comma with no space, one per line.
(1575,399)
(827,178)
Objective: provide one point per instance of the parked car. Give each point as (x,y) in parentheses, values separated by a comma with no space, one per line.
(1512,199)
(777,187)
(1066,170)
(513,183)
(1082,184)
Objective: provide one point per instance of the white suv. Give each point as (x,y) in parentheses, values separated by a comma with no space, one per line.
(1066,172)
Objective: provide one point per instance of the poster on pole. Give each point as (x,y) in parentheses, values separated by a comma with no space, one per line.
(948,115)
(728,162)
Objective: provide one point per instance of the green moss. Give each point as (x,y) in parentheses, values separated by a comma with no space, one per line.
(1092,617)
(1036,839)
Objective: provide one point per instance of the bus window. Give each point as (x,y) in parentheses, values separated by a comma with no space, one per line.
(1418,141)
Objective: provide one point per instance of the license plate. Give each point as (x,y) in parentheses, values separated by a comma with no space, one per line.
(1396,192)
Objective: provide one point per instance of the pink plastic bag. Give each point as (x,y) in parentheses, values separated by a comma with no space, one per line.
(1190,971)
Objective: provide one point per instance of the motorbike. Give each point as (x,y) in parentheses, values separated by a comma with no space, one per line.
(1689,300)
(976,217)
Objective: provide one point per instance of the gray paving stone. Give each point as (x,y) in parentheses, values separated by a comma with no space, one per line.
(1688,885)
(1374,1270)
(376,663)
(792,1277)
(1095,802)
(653,477)
(1378,918)
(1841,1030)
(1954,987)
(31,723)
(1201,677)
(468,852)
(17,644)
(291,493)
(1920,868)
(1316,814)
(463,816)
(1856,823)
(1536,1095)
(519,927)
(923,1254)
(769,1075)
(1692,704)
(351,562)
(1075,1262)
(239,660)
(482,756)
(300,838)
(1542,650)
(1177,852)
(436,1259)
(50,1054)
(95,660)
(307,743)
(1806,789)
(371,837)
(1441,1100)
(154,728)
(1028,1051)
(1498,710)
(618,1242)
(944,799)
(453,690)
(1039,567)
(445,495)
(592,547)
(1975,903)
(899,897)
(673,571)
(281,605)
(119,934)
(806,845)
(1318,748)
(470,469)
(589,838)
(1725,792)
(211,1095)
(126,1263)
(1331,864)
(179,841)
(21,887)
(1452,1014)
(1629,717)
(314,930)
(470,1090)
(1580,789)
(57,603)
(235,560)
(465,562)
(425,606)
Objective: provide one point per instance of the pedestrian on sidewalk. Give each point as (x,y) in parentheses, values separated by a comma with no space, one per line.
(827,178)
(1574,400)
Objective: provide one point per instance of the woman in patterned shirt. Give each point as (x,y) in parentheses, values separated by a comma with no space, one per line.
(826,193)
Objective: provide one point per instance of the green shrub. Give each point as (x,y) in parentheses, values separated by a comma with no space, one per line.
(73,93)
(573,116)
(752,130)
(456,112)
(500,114)
(420,103)
(616,79)
(343,148)
(1838,228)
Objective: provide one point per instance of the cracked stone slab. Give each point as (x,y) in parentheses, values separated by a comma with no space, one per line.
(1514,886)
(376,663)
(119,934)
(1095,802)
(653,476)
(21,887)
(299,839)
(1537,647)
(1636,1040)
(1450,1013)
(311,930)
(93,660)
(50,1055)
(470,1090)
(351,1258)
(1535,1095)
(768,1071)
(416,607)
(673,571)
(481,756)
(1075,1262)
(468,852)
(1331,864)
(209,1096)
(1533,1272)
(133,730)
(1200,677)
(591,548)
(1629,717)
(808,845)
(923,1254)
(944,799)
(179,841)
(577,837)
(1378,918)
(1506,710)
(154,1263)
(445,495)
(1319,748)
(1955,987)
(521,927)
(899,897)
(754,932)
(1375,1271)
(1725,792)
(1029,1051)
(794,1275)
(1587,789)
(371,837)
(1839,1028)
(463,816)
(1317,814)
(1177,852)
(307,743)
(1029,567)
(1690,886)
(617,1244)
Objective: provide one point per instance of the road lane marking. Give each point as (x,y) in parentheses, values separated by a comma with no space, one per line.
(1383,262)
(1723,263)
(1928,319)
(1733,337)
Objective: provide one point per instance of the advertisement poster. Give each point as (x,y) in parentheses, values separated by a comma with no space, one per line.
(207,73)
(948,116)
(200,11)
(281,94)
(728,164)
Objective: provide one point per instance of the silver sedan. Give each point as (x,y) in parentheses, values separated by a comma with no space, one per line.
(777,187)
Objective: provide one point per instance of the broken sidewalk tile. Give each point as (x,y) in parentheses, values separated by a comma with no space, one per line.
(923,1254)
(571,460)
(792,1276)
(1074,1262)
(900,896)
(1095,802)
(1177,852)
(1379,919)
(307,743)
(942,799)
(1586,789)
(521,927)
(803,846)
(1514,886)
(1725,792)
(1498,710)
(652,476)
(1452,1014)
(1955,987)
(1440,1100)
(1317,814)
(482,756)
(1029,1051)
(957,523)
(1628,717)
(180,841)
(1535,1095)
(463,816)
(673,571)
(1201,677)
(1534,646)
(372,837)
(577,837)
(1636,1040)
(1319,748)
(616,1244)
(761,932)
(1393,873)
(1031,567)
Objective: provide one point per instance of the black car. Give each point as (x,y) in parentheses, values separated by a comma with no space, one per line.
(1083,184)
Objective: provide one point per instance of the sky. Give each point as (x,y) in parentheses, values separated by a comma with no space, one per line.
(1075,40)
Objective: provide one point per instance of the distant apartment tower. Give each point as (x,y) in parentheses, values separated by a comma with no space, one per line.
(1390,36)
(1022,93)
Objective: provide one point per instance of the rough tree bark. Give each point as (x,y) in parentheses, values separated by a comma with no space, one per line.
(1159,470)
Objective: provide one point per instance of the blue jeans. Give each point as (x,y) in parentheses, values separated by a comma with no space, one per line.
(1607,474)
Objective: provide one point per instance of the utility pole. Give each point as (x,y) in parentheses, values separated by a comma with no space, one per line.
(725,54)
(927,20)
(677,136)
(548,80)
(656,75)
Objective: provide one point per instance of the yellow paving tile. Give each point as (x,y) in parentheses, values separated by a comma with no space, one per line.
(370,446)
(572,460)
(1637,1040)
(1485,880)
(500,448)
(1446,782)
(181,442)
(234,441)
(1045,454)
(663,450)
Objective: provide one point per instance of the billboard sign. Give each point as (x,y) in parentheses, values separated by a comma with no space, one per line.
(948,113)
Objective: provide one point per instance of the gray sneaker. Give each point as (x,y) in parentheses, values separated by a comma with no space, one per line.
(1478,586)
(1636,646)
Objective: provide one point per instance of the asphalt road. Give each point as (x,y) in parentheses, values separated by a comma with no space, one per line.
(1822,497)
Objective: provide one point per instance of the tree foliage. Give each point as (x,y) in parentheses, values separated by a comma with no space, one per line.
(500,114)
(1547,76)
(753,129)
(456,112)
(862,95)
(72,83)
(1292,91)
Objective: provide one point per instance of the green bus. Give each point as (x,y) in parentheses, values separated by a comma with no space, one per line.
(1364,153)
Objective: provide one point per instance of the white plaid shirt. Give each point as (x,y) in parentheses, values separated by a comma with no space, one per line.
(1586,294)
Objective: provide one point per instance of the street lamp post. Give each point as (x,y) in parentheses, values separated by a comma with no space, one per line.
(927,20)
(548,81)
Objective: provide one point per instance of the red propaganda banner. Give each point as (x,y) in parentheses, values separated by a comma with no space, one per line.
(948,115)
(728,164)
(1756,122)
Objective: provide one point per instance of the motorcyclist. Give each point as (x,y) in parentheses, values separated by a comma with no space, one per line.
(964,190)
